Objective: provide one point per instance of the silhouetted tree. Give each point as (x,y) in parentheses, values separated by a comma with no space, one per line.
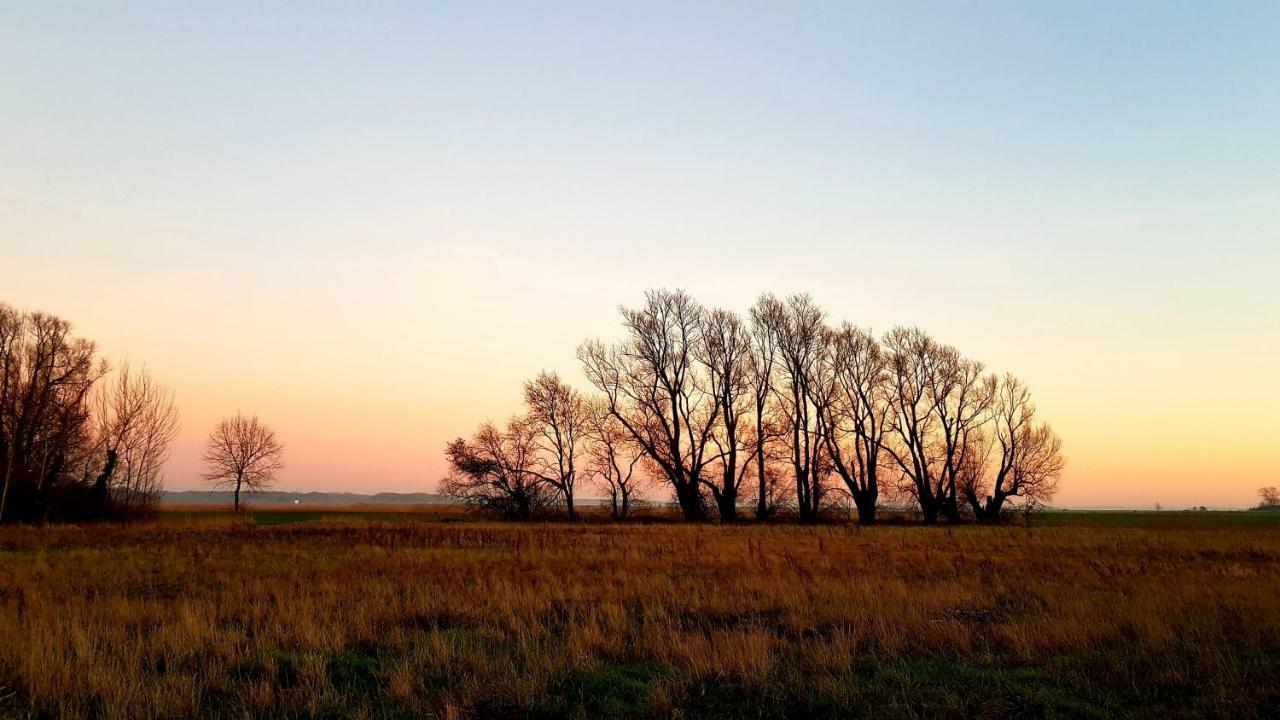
(1028,456)
(242,453)
(559,415)
(912,357)
(962,396)
(494,472)
(46,376)
(766,320)
(858,415)
(725,352)
(614,460)
(1270,497)
(653,386)
(136,422)
(803,390)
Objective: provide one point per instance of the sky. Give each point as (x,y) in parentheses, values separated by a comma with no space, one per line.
(368,223)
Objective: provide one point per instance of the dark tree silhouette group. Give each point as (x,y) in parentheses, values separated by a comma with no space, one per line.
(80,441)
(775,411)
(77,441)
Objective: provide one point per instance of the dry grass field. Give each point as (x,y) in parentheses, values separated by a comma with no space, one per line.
(417,615)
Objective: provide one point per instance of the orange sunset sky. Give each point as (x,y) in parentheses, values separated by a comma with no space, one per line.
(370,228)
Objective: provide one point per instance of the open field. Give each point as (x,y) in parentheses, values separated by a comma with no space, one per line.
(300,613)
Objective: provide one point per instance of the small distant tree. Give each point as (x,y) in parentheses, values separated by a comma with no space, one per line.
(1270,497)
(242,453)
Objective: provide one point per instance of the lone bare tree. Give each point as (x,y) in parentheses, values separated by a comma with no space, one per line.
(242,453)
(559,414)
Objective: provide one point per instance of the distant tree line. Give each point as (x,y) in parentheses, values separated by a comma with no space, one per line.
(77,441)
(774,411)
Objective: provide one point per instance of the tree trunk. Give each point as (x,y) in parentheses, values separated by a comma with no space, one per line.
(762,501)
(866,504)
(104,477)
(929,509)
(237,501)
(728,502)
(951,510)
(690,501)
(568,498)
(8,476)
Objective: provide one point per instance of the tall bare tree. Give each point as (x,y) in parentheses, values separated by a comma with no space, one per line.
(858,415)
(803,390)
(652,384)
(559,414)
(242,453)
(962,396)
(912,357)
(1028,456)
(136,422)
(46,376)
(725,352)
(766,321)
(494,472)
(940,403)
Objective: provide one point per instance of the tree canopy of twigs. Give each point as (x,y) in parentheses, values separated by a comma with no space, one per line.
(242,454)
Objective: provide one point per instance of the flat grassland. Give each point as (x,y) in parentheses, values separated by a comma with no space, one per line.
(360,614)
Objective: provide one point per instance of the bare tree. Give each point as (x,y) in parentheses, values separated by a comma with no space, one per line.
(911,358)
(1028,456)
(803,390)
(46,376)
(940,403)
(559,414)
(725,352)
(858,415)
(766,320)
(244,454)
(136,423)
(962,396)
(652,385)
(614,460)
(1270,497)
(495,472)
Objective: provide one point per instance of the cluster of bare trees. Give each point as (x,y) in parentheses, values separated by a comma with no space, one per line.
(76,441)
(776,409)
(538,459)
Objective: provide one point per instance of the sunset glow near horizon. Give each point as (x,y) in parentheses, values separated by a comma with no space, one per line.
(369,228)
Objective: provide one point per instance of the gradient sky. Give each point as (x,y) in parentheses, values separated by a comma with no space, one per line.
(370,222)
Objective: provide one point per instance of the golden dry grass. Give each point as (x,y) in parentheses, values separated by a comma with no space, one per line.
(204,614)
